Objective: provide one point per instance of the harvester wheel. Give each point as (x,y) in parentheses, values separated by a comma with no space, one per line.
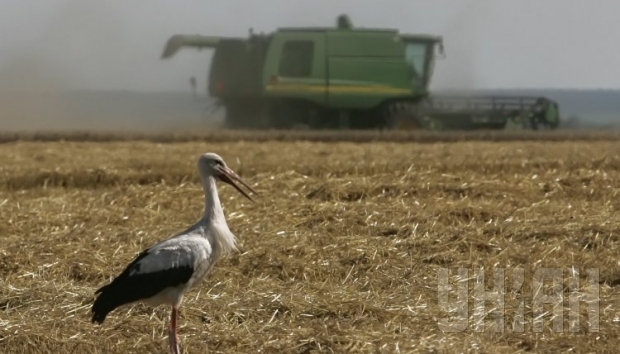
(406,122)
(282,116)
(401,116)
(242,115)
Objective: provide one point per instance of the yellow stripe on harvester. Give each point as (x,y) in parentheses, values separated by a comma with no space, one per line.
(379,89)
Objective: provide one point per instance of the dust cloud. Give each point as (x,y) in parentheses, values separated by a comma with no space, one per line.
(33,85)
(30,97)
(85,41)
(462,38)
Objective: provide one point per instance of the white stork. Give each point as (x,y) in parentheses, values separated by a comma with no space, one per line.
(164,272)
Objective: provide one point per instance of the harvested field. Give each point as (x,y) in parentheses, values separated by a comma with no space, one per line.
(341,254)
(214,135)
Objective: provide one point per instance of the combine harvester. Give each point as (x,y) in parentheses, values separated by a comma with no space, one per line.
(347,78)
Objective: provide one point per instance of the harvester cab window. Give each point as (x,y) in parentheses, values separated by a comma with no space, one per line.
(416,57)
(296,60)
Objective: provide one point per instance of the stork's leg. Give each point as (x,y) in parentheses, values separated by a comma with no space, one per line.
(172,331)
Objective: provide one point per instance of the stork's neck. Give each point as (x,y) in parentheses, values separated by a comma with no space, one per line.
(213,207)
(214,219)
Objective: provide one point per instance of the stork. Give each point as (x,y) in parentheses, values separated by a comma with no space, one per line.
(164,272)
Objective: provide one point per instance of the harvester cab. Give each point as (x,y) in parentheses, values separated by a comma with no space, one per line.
(421,58)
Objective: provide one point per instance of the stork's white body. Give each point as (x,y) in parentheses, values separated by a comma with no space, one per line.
(192,249)
(163,273)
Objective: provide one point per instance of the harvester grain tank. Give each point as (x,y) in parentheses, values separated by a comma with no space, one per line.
(325,77)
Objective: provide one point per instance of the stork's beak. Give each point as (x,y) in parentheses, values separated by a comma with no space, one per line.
(229,176)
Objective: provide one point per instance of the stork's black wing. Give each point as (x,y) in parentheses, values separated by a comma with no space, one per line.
(152,271)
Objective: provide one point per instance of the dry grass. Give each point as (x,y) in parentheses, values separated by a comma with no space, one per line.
(211,134)
(341,254)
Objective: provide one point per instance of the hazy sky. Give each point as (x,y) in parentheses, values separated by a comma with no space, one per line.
(489,43)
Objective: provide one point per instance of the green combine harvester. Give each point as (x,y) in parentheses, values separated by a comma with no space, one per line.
(347,78)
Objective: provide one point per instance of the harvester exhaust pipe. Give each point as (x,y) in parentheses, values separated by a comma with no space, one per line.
(344,22)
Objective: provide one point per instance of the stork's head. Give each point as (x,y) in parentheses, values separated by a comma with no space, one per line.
(212,165)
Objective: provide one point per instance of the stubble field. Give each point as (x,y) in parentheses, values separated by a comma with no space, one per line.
(340,254)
